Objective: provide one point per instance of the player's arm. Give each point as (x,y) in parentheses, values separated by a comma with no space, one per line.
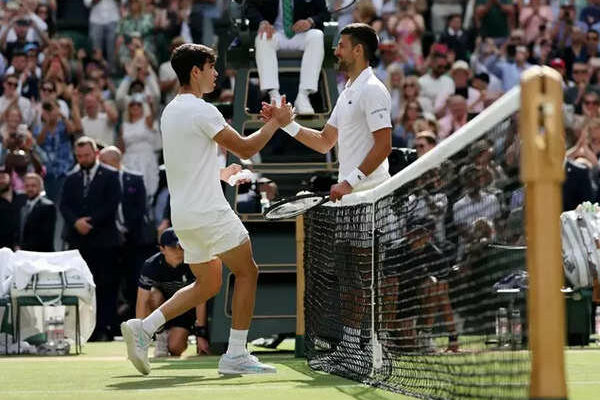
(246,147)
(321,141)
(382,147)
(143,303)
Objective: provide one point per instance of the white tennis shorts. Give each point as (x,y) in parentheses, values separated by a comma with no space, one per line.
(223,232)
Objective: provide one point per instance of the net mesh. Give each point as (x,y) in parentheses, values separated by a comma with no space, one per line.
(419,285)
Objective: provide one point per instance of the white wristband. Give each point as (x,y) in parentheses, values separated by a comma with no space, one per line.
(292,128)
(354,177)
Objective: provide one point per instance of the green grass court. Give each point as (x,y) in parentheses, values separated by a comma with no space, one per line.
(103,373)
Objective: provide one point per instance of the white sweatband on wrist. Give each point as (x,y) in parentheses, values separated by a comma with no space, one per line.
(354,177)
(292,128)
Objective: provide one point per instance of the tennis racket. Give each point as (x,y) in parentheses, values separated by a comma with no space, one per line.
(294,206)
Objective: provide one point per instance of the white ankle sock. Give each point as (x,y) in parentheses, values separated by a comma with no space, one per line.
(152,322)
(237,342)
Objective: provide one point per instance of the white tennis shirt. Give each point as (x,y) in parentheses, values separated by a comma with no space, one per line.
(188,125)
(363,107)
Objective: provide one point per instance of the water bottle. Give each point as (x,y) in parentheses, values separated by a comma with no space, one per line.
(502,326)
(264,202)
(516,329)
(59,329)
(50,332)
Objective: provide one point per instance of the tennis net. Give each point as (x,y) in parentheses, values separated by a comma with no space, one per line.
(418,285)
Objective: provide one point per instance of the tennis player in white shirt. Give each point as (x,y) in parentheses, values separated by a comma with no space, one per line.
(209,231)
(360,121)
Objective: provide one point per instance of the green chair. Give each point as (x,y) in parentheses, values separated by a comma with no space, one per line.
(28,301)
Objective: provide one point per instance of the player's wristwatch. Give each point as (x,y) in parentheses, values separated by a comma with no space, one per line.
(200,331)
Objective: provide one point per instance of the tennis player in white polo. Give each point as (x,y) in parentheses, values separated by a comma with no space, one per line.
(208,229)
(361,123)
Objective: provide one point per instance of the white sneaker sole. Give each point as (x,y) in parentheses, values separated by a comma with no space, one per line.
(129,339)
(225,371)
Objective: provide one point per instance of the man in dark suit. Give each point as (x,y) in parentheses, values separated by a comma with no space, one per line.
(299,26)
(38,217)
(133,221)
(90,198)
(10,206)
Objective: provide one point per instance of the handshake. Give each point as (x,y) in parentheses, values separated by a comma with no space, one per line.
(283,114)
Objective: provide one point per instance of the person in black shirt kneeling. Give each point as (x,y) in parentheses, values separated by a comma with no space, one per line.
(162,275)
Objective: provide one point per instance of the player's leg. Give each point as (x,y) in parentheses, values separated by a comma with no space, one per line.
(137,333)
(237,360)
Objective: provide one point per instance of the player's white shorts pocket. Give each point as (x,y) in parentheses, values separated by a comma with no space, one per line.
(223,233)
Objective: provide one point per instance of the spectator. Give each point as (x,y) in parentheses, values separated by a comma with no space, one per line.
(455,38)
(22,156)
(11,97)
(409,30)
(54,139)
(301,30)
(10,208)
(442,13)
(590,15)
(403,133)
(89,202)
(511,65)
(436,81)
(424,141)
(139,73)
(135,22)
(16,35)
(137,139)
(99,119)
(460,73)
(494,18)
(411,91)
(168,79)
(38,217)
(103,23)
(28,74)
(49,93)
(456,118)
(535,19)
(581,77)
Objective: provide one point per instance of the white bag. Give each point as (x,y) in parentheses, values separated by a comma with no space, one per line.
(580,234)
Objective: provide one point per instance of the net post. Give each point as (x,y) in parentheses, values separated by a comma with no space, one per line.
(542,172)
(299,347)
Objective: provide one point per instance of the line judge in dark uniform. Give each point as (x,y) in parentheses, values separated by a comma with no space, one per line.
(38,217)
(90,198)
(289,25)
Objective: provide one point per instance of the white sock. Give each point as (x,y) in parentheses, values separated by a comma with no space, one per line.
(152,322)
(351,335)
(237,342)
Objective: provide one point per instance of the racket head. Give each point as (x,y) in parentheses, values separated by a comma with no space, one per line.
(294,206)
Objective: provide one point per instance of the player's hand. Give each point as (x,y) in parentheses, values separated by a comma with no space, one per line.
(284,113)
(301,25)
(267,29)
(202,346)
(266,112)
(230,170)
(338,190)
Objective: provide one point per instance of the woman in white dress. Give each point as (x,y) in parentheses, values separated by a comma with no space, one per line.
(137,137)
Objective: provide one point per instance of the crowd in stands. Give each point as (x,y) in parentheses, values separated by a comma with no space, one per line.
(443,61)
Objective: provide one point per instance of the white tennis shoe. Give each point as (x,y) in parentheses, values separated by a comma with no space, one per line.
(243,364)
(137,341)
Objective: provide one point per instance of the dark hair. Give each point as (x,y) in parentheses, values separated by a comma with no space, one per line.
(364,35)
(188,56)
